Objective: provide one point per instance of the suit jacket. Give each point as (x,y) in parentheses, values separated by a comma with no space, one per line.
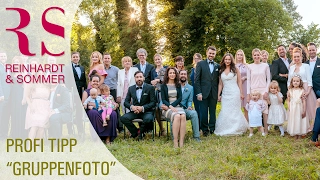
(147,100)
(278,67)
(4,86)
(205,81)
(187,96)
(61,100)
(165,96)
(315,76)
(81,82)
(147,72)
(121,76)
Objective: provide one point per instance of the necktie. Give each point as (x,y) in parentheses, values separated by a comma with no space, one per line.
(97,104)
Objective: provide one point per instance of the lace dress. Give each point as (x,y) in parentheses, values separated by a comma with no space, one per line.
(277,113)
(231,120)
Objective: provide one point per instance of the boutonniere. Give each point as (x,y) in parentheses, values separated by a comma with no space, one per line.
(217,69)
(58,95)
(145,94)
(318,66)
(186,90)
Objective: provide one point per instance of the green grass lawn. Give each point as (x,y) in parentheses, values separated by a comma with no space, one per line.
(240,157)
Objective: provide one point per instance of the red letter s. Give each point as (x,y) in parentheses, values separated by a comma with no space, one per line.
(53,29)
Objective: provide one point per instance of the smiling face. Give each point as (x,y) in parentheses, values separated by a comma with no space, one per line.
(158,61)
(95,58)
(239,57)
(282,51)
(75,58)
(107,60)
(183,76)
(296,82)
(171,74)
(3,58)
(95,82)
(264,58)
(211,54)
(142,57)
(227,60)
(297,58)
(139,78)
(312,51)
(196,59)
(255,96)
(256,57)
(179,64)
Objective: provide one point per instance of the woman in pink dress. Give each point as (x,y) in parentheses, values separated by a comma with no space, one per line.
(240,61)
(304,71)
(97,64)
(258,77)
(38,112)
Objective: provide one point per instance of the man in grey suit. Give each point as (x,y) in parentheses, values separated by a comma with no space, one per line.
(206,89)
(186,102)
(4,98)
(143,65)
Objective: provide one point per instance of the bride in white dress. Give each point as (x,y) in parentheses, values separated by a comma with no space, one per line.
(231,120)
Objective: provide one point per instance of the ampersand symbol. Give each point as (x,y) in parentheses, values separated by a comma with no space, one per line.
(9,80)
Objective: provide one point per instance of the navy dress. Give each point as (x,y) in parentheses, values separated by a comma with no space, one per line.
(97,123)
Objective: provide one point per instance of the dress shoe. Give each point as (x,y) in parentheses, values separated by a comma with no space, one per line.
(205,133)
(211,131)
(312,143)
(197,139)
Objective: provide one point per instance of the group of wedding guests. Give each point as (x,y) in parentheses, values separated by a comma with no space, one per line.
(261,89)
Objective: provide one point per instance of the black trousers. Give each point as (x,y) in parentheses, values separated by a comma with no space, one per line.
(208,104)
(147,118)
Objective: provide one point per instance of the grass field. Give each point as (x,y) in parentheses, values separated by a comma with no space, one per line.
(240,157)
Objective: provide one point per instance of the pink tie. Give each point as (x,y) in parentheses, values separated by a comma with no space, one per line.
(313,60)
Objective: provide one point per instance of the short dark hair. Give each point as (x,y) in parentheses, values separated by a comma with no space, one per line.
(75,53)
(183,70)
(280,46)
(311,44)
(137,73)
(212,48)
(106,53)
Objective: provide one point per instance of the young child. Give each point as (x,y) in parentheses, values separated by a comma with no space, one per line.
(255,108)
(109,104)
(94,98)
(297,121)
(277,112)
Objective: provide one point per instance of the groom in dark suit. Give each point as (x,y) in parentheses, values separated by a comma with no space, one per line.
(61,110)
(143,65)
(206,89)
(314,63)
(141,101)
(280,70)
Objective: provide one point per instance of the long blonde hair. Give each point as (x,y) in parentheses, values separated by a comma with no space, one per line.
(99,57)
(243,59)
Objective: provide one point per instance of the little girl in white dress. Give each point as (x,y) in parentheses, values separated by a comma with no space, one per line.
(277,112)
(255,107)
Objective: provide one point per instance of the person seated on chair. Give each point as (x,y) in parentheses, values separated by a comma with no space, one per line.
(186,102)
(141,101)
(316,127)
(61,110)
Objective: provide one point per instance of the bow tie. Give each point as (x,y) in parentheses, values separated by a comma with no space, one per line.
(139,87)
(77,65)
(210,62)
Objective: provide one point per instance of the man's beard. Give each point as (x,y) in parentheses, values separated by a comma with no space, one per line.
(139,83)
(183,80)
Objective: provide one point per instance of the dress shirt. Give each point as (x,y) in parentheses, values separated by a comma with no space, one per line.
(211,65)
(143,67)
(286,62)
(312,63)
(112,79)
(77,68)
(139,92)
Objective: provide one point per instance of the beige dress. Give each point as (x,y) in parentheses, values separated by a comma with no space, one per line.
(296,124)
(172,93)
(38,112)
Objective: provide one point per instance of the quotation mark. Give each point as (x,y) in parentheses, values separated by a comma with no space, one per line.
(9,164)
(113,163)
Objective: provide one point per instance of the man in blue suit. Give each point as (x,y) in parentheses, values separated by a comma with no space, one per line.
(186,102)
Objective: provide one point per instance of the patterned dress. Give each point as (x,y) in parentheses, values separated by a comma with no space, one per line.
(172,93)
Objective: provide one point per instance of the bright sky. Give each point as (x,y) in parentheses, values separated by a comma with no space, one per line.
(308,9)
